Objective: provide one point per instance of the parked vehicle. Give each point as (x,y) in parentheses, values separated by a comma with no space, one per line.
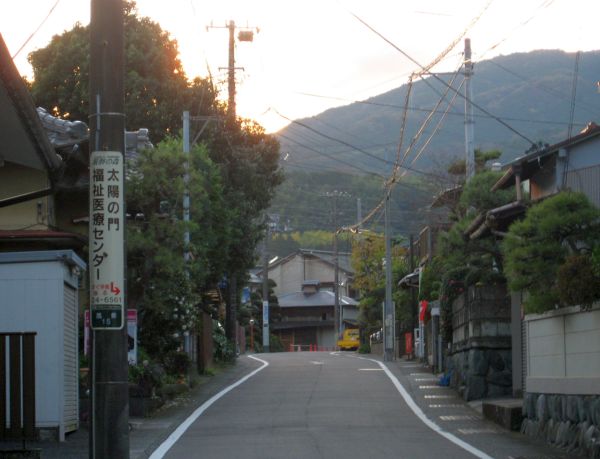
(350,340)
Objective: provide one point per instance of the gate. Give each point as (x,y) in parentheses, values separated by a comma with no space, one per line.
(17,386)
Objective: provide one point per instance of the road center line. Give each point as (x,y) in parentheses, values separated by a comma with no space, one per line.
(177,433)
(428,422)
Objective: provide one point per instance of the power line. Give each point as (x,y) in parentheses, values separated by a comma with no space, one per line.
(36,30)
(379,34)
(360,150)
(544,88)
(354,166)
(545,4)
(420,109)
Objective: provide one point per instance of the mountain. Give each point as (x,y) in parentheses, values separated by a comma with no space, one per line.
(530,92)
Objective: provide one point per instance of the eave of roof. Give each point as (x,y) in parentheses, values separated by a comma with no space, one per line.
(26,111)
(521,163)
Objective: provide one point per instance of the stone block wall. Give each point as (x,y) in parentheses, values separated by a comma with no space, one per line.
(480,360)
(481,373)
(571,422)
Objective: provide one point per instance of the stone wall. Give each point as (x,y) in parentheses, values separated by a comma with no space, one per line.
(571,422)
(480,360)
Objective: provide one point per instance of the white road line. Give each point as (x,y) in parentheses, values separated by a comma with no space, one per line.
(428,422)
(177,433)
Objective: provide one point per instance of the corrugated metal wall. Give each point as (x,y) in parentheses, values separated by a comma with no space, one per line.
(71,370)
(586,180)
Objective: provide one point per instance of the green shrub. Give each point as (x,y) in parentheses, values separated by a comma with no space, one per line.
(577,282)
(536,250)
(177,363)
(364,348)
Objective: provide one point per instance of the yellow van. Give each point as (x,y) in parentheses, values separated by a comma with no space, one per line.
(350,340)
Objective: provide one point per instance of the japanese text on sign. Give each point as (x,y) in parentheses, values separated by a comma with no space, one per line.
(106,239)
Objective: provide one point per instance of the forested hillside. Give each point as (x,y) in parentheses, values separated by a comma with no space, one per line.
(345,148)
(530,92)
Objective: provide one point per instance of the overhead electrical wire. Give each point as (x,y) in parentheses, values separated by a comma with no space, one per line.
(433,75)
(360,150)
(420,109)
(545,4)
(542,87)
(354,166)
(400,161)
(36,30)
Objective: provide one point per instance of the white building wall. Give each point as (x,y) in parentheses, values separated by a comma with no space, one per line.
(32,299)
(289,275)
(563,351)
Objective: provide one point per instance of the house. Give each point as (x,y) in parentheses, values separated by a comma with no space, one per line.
(43,170)
(290,272)
(44,228)
(555,355)
(571,164)
(305,283)
(308,316)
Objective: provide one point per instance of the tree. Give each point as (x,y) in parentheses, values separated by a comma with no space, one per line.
(368,252)
(162,286)
(461,261)
(547,251)
(156,87)
(459,167)
(248,159)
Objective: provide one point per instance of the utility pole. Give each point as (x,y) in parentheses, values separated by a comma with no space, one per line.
(337,310)
(389,320)
(186,212)
(245,34)
(186,183)
(413,296)
(109,432)
(358,213)
(265,290)
(469,120)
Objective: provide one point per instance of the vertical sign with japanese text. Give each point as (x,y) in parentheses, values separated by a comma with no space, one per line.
(107,224)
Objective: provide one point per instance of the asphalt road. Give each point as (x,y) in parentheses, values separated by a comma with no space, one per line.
(317,405)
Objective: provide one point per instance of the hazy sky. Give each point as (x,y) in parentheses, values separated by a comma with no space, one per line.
(317,47)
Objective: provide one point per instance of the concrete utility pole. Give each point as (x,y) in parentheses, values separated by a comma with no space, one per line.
(389,319)
(469,121)
(110,389)
(187,339)
(413,294)
(337,310)
(265,290)
(247,34)
(186,182)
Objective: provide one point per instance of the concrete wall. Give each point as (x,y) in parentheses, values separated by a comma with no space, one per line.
(563,352)
(18,180)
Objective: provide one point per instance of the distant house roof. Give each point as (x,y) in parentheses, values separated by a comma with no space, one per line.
(320,298)
(530,163)
(323,255)
(24,140)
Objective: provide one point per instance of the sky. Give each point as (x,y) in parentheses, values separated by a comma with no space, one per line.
(312,55)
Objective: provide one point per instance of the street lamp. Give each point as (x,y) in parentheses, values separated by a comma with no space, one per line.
(252,335)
